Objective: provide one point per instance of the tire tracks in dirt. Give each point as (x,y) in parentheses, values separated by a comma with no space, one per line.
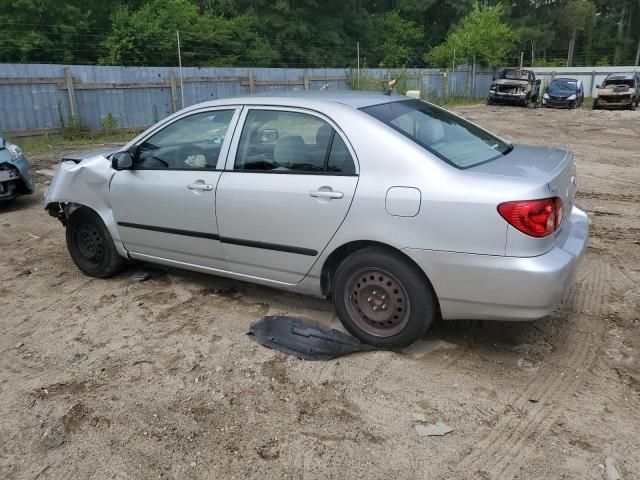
(514,438)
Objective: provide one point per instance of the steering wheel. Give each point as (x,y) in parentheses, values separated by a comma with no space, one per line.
(185,152)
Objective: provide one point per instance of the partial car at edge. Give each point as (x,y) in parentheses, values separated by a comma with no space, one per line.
(397,209)
(15,172)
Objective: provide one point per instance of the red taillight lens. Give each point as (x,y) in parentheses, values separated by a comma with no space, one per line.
(537,218)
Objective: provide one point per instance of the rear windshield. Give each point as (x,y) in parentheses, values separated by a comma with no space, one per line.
(447,136)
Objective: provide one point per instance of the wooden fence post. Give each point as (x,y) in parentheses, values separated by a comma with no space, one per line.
(73,105)
(446,83)
(593,79)
(174,91)
(252,81)
(306,80)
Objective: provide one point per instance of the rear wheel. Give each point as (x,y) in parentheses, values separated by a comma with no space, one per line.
(91,246)
(383,299)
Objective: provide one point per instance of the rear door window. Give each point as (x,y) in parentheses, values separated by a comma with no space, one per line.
(277,141)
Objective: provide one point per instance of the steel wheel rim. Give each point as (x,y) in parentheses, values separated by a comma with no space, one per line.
(89,242)
(377,302)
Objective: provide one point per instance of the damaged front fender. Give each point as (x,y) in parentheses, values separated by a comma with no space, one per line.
(85,183)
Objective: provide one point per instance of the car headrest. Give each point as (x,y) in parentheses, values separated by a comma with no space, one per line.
(323,134)
(287,150)
(430,131)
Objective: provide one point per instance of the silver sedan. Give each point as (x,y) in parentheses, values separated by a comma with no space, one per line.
(398,210)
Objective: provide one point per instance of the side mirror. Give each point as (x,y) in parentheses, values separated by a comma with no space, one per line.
(269,135)
(538,82)
(122,161)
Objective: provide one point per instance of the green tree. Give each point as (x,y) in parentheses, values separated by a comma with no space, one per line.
(402,39)
(576,16)
(205,39)
(482,34)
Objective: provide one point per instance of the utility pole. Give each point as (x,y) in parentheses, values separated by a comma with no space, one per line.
(358,50)
(521,59)
(454,60)
(180,69)
(638,54)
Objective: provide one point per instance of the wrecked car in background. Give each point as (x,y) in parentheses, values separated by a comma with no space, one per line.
(397,209)
(618,90)
(514,86)
(15,172)
(563,93)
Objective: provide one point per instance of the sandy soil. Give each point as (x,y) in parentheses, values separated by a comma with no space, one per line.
(120,379)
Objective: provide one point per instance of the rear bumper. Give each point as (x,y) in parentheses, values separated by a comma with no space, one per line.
(505,288)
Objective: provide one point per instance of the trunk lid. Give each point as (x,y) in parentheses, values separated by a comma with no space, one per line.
(538,166)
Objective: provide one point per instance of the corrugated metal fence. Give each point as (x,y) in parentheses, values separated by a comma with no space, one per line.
(37,99)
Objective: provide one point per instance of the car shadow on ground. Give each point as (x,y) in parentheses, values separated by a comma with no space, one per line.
(19,203)
(488,338)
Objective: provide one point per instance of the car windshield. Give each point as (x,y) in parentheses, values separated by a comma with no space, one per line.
(563,85)
(454,140)
(618,81)
(515,75)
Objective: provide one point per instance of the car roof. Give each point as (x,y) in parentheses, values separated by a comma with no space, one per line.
(566,79)
(621,76)
(309,99)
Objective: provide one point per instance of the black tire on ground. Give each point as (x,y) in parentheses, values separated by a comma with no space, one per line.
(91,246)
(573,105)
(595,106)
(382,298)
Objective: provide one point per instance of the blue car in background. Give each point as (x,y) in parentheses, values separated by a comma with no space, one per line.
(563,93)
(15,172)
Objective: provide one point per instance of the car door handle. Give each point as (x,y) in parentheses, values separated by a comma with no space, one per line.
(326,194)
(200,186)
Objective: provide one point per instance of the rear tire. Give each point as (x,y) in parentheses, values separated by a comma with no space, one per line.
(91,246)
(382,298)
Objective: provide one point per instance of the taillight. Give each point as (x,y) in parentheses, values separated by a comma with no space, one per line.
(537,218)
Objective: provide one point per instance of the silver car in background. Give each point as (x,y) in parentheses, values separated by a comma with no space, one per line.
(397,209)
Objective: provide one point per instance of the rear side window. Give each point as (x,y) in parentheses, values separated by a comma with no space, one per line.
(291,142)
(454,140)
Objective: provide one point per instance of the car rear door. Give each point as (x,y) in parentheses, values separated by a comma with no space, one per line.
(288,186)
(165,205)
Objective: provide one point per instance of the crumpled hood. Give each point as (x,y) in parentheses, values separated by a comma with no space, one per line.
(616,90)
(85,155)
(514,83)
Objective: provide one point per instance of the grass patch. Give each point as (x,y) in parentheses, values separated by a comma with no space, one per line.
(42,144)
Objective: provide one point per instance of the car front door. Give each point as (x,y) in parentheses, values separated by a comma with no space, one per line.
(164,205)
(284,193)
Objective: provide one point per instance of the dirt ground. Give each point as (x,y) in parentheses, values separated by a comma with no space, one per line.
(120,379)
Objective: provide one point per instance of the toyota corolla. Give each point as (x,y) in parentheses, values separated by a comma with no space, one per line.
(398,210)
